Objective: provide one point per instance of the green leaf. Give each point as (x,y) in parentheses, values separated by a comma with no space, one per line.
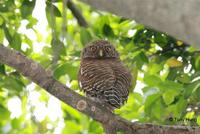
(177,109)
(125,26)
(158,110)
(32,22)
(173,62)
(152,80)
(141,59)
(13,84)
(16,42)
(137,98)
(149,90)
(16,123)
(190,115)
(6,6)
(154,68)
(150,101)
(184,78)
(27,8)
(134,73)
(107,30)
(3,8)
(71,113)
(189,88)
(197,62)
(132,107)
(94,127)
(85,36)
(170,85)
(7,34)
(58,47)
(173,72)
(67,68)
(1,35)
(1,21)
(181,105)
(74,84)
(160,40)
(198,120)
(4,113)
(47,50)
(51,13)
(51,8)
(169,96)
(2,69)
(71,128)
(196,93)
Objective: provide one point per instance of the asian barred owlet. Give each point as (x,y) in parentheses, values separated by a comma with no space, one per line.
(103,76)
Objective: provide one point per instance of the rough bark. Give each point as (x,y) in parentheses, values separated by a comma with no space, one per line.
(36,73)
(180,19)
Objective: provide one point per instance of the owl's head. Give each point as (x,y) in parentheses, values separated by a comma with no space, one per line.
(100,49)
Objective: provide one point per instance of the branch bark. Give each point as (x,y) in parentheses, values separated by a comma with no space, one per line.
(36,73)
(177,18)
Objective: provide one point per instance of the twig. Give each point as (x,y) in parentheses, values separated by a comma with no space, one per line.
(36,73)
(55,47)
(81,20)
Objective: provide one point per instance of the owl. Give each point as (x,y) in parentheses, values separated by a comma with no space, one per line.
(102,75)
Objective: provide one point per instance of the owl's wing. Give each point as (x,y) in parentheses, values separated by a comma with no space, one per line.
(122,82)
(95,77)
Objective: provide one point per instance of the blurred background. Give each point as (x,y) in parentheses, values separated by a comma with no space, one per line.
(166,84)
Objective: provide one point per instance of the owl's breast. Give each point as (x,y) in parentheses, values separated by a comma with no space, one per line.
(95,75)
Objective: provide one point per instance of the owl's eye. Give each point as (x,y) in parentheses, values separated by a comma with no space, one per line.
(108,48)
(92,48)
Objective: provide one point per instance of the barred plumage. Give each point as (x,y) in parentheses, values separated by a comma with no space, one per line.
(103,76)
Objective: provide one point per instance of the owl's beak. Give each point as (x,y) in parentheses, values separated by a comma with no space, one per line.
(100,52)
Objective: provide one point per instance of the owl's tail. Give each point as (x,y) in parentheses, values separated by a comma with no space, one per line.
(113,98)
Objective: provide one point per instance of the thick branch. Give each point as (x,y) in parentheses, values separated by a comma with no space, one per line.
(109,129)
(44,79)
(177,18)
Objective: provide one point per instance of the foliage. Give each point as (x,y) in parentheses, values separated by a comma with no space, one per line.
(167,70)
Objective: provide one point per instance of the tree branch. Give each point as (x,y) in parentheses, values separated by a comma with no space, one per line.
(174,17)
(81,21)
(36,73)
(109,129)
